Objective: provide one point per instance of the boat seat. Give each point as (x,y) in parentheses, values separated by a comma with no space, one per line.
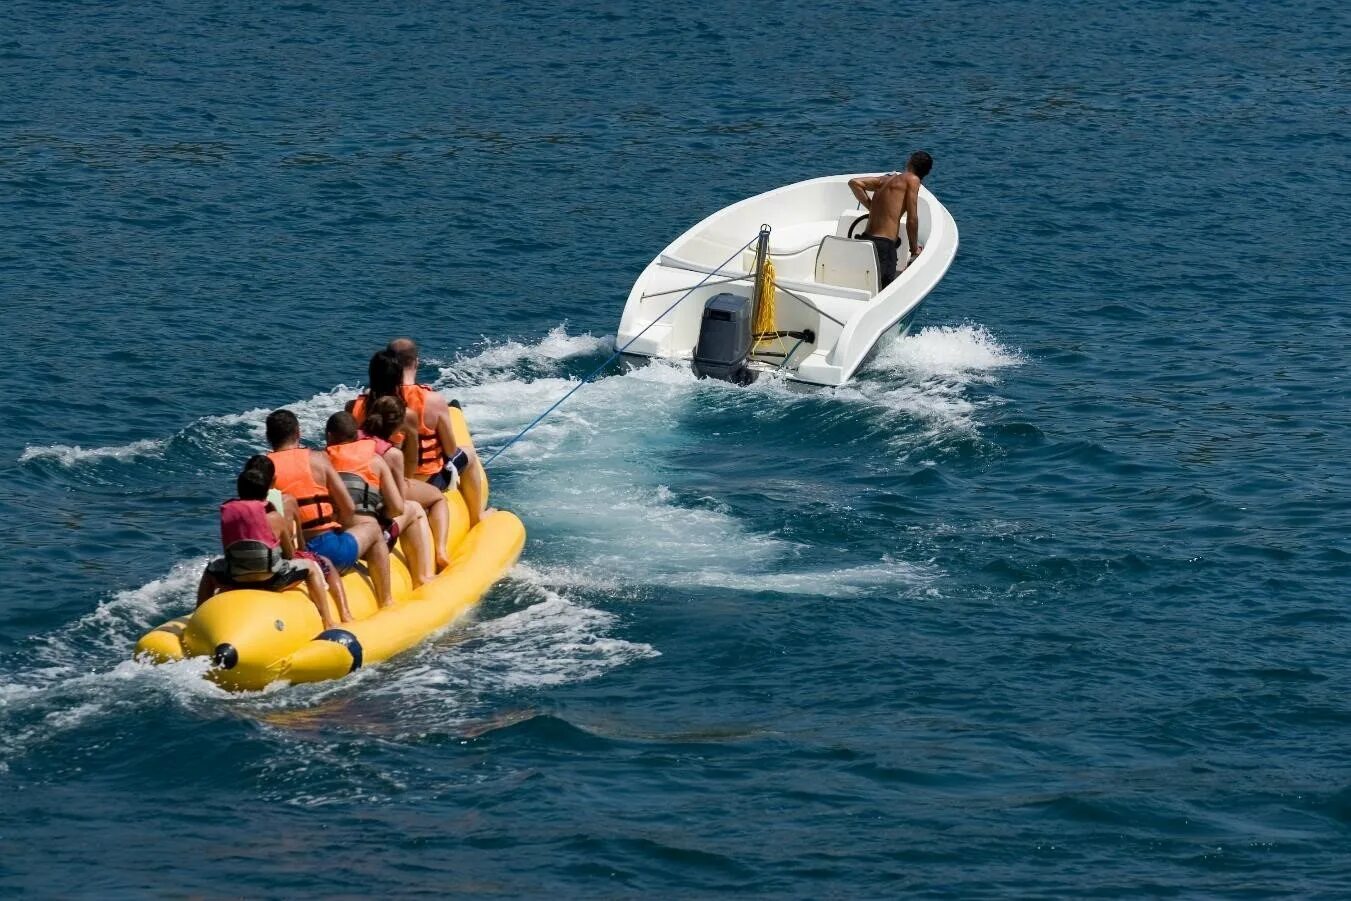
(791,246)
(847,219)
(849,264)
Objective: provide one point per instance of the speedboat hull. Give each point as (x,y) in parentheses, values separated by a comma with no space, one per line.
(826,293)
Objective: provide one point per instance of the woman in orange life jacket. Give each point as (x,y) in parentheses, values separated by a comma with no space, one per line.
(439,461)
(258,549)
(375,493)
(385,422)
(290,512)
(429,411)
(421,453)
(328,519)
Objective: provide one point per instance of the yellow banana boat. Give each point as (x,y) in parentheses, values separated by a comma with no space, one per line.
(255,638)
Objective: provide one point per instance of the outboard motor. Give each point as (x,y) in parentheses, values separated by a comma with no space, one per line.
(725,338)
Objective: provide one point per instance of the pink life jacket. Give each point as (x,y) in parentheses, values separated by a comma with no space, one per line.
(252,550)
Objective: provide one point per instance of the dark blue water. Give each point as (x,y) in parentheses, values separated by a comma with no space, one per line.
(1051,602)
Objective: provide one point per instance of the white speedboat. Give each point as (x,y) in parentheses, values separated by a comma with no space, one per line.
(697,300)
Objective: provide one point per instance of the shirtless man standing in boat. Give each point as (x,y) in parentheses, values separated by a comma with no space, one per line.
(893,195)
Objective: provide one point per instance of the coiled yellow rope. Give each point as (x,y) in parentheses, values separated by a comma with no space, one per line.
(765,316)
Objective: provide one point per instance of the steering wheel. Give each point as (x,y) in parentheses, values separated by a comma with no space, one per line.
(856,223)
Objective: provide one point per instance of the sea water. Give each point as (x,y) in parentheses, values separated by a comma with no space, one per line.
(1049,601)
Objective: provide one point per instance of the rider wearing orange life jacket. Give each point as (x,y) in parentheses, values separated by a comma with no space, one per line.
(435,460)
(384,421)
(328,518)
(375,492)
(430,414)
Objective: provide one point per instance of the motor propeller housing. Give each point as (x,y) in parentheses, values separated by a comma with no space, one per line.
(726,335)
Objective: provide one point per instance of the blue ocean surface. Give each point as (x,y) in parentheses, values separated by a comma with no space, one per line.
(1051,601)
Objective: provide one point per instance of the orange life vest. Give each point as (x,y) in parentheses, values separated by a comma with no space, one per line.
(430,455)
(353,461)
(295,478)
(355,457)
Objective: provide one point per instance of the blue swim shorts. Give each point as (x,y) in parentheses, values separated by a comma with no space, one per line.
(336,545)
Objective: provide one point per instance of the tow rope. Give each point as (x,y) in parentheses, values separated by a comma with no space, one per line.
(597,371)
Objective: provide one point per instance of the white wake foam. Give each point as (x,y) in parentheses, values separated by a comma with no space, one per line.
(496,361)
(313,413)
(594,476)
(950,352)
(218,435)
(73,455)
(927,377)
(846,582)
(552,642)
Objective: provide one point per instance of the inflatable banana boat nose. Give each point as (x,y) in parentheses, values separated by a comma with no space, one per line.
(254,638)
